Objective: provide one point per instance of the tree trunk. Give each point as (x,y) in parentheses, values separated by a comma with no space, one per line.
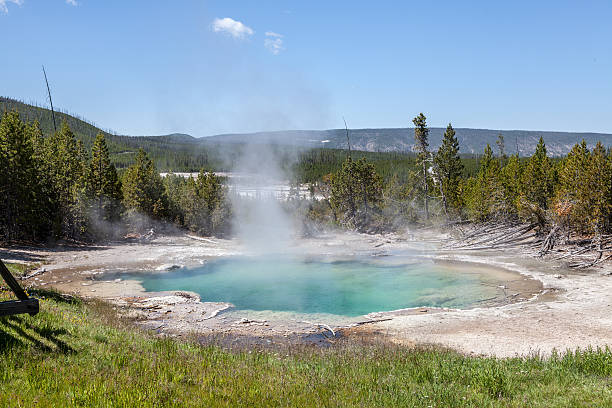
(444,201)
(426,187)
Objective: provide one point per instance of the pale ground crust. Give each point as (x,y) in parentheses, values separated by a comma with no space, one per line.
(546,307)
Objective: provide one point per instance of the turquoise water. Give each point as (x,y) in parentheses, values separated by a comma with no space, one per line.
(349,288)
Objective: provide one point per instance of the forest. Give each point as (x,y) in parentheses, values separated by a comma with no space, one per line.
(60,186)
(54,188)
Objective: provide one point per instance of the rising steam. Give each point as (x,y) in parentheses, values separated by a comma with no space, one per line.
(260,222)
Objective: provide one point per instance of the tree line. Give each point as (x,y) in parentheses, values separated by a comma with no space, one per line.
(573,193)
(53,188)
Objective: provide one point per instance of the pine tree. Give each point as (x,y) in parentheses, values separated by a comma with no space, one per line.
(511,175)
(102,183)
(368,185)
(356,184)
(571,202)
(398,206)
(598,195)
(484,194)
(64,160)
(342,196)
(214,195)
(501,146)
(18,178)
(449,168)
(143,190)
(421,134)
(538,178)
(41,188)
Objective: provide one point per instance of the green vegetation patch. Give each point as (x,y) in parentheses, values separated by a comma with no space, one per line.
(20,269)
(79,354)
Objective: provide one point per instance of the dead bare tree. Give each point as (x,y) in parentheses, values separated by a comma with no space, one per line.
(348,140)
(352,206)
(50,100)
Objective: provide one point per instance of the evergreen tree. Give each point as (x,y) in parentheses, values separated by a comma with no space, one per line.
(41,188)
(356,181)
(64,164)
(18,180)
(398,206)
(538,178)
(484,193)
(102,183)
(511,175)
(598,195)
(501,146)
(449,169)
(143,190)
(571,198)
(342,197)
(214,194)
(421,135)
(369,185)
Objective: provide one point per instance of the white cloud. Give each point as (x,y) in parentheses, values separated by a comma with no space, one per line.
(72,2)
(232,27)
(3,6)
(274,42)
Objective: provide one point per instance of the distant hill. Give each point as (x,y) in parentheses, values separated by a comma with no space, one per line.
(183,152)
(177,152)
(402,139)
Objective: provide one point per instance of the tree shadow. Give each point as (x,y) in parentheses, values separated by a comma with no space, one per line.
(32,253)
(12,254)
(16,331)
(56,296)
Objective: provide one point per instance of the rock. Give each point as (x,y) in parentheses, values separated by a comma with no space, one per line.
(187,295)
(166,301)
(168,267)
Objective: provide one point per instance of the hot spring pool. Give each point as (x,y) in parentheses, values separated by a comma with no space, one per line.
(348,288)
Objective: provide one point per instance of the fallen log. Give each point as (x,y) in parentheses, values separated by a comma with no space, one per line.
(550,240)
(323,325)
(371,321)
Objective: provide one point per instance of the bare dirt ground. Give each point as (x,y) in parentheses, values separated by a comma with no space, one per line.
(547,307)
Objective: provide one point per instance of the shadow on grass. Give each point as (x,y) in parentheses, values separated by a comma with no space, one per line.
(16,331)
(56,296)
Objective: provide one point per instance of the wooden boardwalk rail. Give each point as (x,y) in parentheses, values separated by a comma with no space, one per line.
(23,304)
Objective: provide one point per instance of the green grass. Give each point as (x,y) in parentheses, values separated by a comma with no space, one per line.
(19,269)
(79,354)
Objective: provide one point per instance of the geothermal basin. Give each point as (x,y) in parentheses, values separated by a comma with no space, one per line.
(346,287)
(500,303)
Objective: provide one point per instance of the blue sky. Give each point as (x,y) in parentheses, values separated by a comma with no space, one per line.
(207,67)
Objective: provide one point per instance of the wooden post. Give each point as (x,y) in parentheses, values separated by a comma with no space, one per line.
(25,304)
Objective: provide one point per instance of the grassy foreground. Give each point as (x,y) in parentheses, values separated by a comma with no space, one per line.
(79,354)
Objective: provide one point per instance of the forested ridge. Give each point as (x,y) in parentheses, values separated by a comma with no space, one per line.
(61,185)
(472,141)
(184,153)
(171,153)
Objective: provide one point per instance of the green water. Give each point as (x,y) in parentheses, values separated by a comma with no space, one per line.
(348,288)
